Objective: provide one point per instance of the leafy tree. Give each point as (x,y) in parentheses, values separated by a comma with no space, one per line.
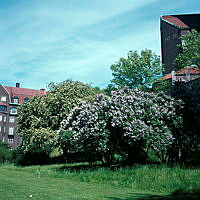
(190,50)
(187,143)
(5,153)
(128,123)
(40,117)
(138,70)
(162,86)
(110,87)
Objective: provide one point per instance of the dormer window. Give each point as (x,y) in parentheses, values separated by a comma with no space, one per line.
(15,99)
(3,98)
(26,99)
(13,110)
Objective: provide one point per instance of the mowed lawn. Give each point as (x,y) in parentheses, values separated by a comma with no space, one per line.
(22,185)
(58,182)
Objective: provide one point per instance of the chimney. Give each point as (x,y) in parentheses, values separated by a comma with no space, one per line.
(173,73)
(17,85)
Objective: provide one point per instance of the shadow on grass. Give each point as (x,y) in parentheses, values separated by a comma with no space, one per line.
(78,168)
(176,195)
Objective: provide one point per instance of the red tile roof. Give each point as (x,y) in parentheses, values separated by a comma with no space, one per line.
(167,76)
(191,70)
(21,93)
(176,21)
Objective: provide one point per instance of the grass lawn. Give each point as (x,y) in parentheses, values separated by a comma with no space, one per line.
(77,182)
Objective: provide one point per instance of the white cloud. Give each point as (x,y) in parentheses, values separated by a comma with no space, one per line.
(47,40)
(42,41)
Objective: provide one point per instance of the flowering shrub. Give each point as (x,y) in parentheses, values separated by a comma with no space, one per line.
(128,123)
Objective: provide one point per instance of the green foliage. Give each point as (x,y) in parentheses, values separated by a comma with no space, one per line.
(162,86)
(187,143)
(42,138)
(110,87)
(30,157)
(138,70)
(40,117)
(190,50)
(5,153)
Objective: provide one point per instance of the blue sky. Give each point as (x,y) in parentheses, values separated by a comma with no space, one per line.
(53,40)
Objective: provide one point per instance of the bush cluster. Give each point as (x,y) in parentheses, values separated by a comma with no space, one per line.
(40,117)
(5,153)
(127,124)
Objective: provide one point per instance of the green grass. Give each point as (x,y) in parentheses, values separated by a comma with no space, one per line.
(80,181)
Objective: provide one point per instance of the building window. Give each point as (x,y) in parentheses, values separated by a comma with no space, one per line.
(0,117)
(4,119)
(3,108)
(13,110)
(15,99)
(10,138)
(3,98)
(11,119)
(26,99)
(11,131)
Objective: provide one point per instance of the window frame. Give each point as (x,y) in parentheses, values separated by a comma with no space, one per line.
(13,119)
(16,99)
(26,99)
(11,110)
(10,140)
(3,98)
(11,132)
(4,108)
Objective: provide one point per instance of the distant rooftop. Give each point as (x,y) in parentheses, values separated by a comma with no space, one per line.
(22,93)
(183,71)
(186,21)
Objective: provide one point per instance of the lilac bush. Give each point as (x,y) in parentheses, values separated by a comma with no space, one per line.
(127,123)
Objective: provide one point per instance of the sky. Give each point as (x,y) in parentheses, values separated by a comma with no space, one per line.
(43,41)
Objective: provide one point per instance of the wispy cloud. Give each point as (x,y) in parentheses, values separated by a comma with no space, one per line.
(43,41)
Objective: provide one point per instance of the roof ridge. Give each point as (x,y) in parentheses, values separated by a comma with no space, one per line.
(175,21)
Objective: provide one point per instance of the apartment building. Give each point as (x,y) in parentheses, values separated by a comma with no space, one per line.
(10,100)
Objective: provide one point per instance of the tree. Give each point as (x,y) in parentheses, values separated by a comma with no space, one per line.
(40,117)
(138,70)
(187,143)
(190,50)
(110,87)
(5,152)
(129,124)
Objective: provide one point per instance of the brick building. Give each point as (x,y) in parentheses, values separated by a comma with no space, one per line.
(10,99)
(172,27)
